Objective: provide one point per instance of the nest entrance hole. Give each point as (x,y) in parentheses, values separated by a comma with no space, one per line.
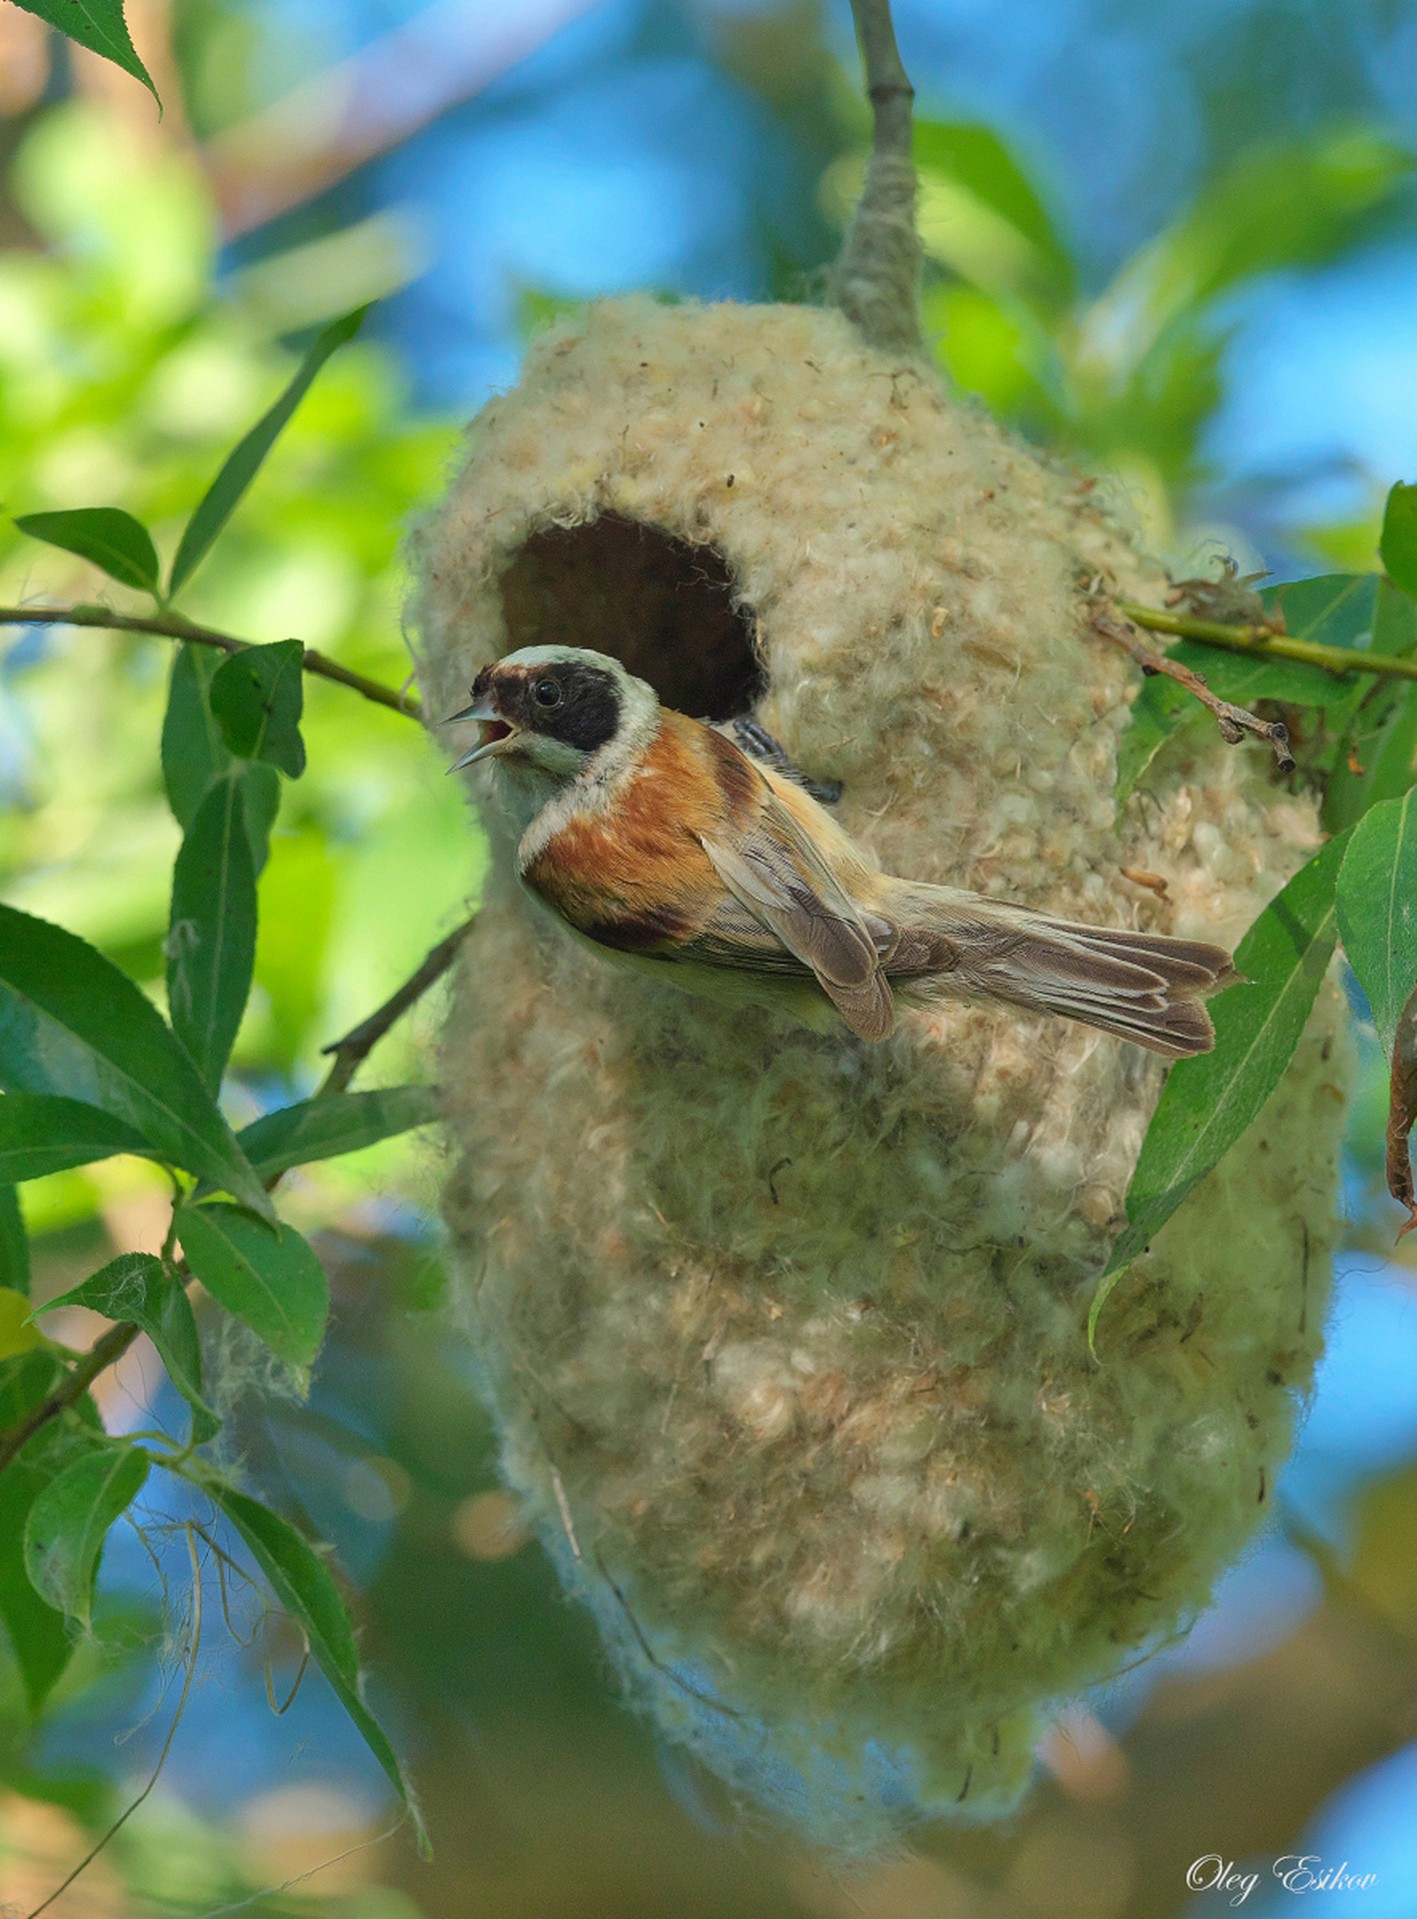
(664,606)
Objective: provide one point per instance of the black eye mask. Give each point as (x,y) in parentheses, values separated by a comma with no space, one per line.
(586,715)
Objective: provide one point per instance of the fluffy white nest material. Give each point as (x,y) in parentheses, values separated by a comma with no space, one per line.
(785,1335)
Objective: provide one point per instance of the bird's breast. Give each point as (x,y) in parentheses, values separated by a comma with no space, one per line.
(628,868)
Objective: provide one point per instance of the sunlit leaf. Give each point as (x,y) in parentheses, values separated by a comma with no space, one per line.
(976,157)
(98,25)
(302,1583)
(1209,1100)
(993,345)
(1398,545)
(17,1335)
(139,1289)
(73,1025)
(268,1278)
(257,696)
(42,1134)
(1377,909)
(69,1521)
(14,1243)
(1280,203)
(195,756)
(106,535)
(243,463)
(211,940)
(337,1123)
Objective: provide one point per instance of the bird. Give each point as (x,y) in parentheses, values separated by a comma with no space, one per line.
(657,840)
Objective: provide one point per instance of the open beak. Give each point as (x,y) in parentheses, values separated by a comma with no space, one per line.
(497,733)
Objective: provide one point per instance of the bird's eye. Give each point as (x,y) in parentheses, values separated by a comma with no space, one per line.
(547,692)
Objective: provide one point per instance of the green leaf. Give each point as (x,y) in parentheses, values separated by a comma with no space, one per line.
(1280,203)
(1159,712)
(1398,545)
(1374,760)
(975,155)
(257,696)
(17,1335)
(38,1634)
(41,1134)
(14,1243)
(195,756)
(268,1279)
(974,158)
(24,1382)
(337,1123)
(243,463)
(211,940)
(138,1288)
(1334,609)
(301,1582)
(69,1521)
(107,535)
(73,1025)
(1377,909)
(1209,1100)
(98,25)
(1392,756)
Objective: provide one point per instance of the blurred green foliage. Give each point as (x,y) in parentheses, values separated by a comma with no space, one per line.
(1125,378)
(121,381)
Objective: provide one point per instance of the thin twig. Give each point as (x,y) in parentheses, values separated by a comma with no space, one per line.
(1234,721)
(156,1774)
(1261,641)
(104,1352)
(171,626)
(351,1051)
(876,282)
(349,1055)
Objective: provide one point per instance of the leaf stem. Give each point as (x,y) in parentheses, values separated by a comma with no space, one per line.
(172,626)
(1259,640)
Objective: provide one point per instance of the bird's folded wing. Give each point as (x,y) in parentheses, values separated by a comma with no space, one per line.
(779,877)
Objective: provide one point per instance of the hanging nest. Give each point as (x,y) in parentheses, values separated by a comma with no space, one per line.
(784,1334)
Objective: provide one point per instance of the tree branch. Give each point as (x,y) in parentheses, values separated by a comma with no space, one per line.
(349,1055)
(1234,721)
(105,1352)
(351,1051)
(876,282)
(1260,640)
(171,626)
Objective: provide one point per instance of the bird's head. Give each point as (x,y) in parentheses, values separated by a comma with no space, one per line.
(551,709)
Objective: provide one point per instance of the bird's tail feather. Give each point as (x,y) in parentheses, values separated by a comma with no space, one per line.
(1145,987)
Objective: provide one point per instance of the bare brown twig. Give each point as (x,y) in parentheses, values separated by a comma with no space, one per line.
(171,626)
(1234,721)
